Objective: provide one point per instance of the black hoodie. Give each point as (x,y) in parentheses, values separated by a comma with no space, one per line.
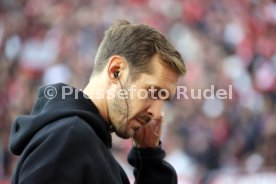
(66,141)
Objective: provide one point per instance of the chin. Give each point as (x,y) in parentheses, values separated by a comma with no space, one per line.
(126,134)
(123,135)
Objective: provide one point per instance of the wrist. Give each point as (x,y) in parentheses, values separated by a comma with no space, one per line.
(156,145)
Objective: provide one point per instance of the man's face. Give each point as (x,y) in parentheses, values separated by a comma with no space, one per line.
(145,99)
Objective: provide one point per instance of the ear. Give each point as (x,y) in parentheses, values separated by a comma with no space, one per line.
(115,64)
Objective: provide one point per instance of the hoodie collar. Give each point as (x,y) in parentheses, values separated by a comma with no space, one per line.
(66,101)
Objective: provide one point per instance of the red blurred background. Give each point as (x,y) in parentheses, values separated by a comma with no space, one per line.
(223,43)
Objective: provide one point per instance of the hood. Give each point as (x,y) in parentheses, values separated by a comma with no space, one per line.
(53,103)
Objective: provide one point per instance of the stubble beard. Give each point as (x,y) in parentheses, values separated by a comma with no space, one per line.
(121,117)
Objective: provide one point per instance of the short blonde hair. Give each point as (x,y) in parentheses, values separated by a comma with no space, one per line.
(137,43)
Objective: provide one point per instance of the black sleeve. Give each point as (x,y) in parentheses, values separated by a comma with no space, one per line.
(150,166)
(56,156)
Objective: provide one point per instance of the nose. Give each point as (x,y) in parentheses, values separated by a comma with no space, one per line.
(155,109)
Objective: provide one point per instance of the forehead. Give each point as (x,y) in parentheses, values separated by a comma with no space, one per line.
(160,76)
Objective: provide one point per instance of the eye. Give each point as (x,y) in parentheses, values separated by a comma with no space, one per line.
(157,93)
(163,94)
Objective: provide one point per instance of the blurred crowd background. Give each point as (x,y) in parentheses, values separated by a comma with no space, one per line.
(225,43)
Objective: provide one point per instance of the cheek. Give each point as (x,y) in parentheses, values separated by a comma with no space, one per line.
(137,107)
(118,111)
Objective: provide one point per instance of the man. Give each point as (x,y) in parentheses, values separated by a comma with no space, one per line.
(67,137)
